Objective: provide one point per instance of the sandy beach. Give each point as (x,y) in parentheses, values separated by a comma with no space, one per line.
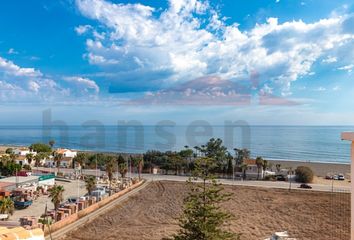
(153,213)
(320,169)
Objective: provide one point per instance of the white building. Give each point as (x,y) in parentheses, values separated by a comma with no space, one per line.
(66,152)
(23,151)
(66,162)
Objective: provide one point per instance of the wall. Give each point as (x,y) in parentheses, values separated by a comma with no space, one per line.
(74,217)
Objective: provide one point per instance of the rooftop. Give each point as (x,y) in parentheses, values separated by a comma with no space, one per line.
(19,179)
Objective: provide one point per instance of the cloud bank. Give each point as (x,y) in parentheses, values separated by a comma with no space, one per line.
(152,48)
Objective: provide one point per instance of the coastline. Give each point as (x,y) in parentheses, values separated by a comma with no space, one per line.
(320,169)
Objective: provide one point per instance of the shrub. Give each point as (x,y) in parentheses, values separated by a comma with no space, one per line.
(269,178)
(303,174)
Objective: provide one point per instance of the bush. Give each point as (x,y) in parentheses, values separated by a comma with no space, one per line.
(269,178)
(303,174)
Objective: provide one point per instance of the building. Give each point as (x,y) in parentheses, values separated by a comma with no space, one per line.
(66,152)
(67,160)
(22,160)
(23,151)
(252,170)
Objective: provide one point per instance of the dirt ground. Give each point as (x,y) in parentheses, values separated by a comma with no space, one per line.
(259,212)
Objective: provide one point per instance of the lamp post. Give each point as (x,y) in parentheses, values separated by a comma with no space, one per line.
(349,136)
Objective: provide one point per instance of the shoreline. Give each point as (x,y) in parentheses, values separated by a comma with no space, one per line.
(320,168)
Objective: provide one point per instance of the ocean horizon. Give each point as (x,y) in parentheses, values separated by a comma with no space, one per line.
(292,143)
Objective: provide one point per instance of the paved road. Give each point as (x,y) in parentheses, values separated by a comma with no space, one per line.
(265,184)
(61,233)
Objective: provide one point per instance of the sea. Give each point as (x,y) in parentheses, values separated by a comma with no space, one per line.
(294,143)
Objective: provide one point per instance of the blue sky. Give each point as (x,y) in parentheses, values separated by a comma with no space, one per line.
(264,62)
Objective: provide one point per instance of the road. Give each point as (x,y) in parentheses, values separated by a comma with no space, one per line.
(265,184)
(60,233)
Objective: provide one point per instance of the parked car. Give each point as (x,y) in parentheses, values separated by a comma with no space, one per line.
(280,178)
(341,177)
(329,177)
(306,186)
(335,177)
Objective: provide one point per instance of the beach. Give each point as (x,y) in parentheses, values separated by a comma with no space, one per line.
(258,212)
(320,169)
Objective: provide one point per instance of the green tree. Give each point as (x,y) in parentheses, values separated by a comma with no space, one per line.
(41,147)
(244,167)
(7,206)
(265,165)
(203,218)
(9,150)
(58,157)
(259,163)
(303,174)
(56,195)
(215,150)
(138,162)
(90,183)
(109,170)
(80,159)
(51,143)
(39,157)
(30,158)
(241,155)
(229,169)
(123,169)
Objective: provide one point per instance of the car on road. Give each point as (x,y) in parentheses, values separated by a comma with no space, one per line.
(306,186)
(341,177)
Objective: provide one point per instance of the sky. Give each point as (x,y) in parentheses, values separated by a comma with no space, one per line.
(276,62)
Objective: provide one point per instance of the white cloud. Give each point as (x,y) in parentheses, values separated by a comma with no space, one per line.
(12,51)
(82,29)
(330,59)
(320,89)
(348,68)
(9,68)
(336,88)
(83,84)
(19,84)
(174,45)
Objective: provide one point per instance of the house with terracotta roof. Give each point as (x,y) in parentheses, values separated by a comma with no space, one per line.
(68,156)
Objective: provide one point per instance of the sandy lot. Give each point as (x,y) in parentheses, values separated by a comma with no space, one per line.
(38,206)
(153,213)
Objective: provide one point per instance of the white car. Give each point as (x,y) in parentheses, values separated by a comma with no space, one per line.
(341,177)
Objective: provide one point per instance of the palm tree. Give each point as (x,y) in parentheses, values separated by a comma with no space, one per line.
(265,166)
(80,158)
(123,169)
(259,163)
(109,170)
(51,143)
(58,157)
(56,195)
(241,155)
(7,206)
(90,183)
(244,169)
(140,166)
(29,157)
